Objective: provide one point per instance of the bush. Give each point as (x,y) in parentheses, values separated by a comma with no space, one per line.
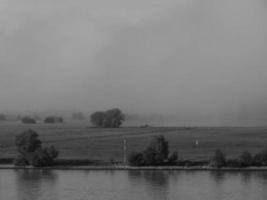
(246,159)
(28,120)
(136,159)
(218,160)
(233,163)
(157,153)
(260,158)
(109,119)
(31,152)
(173,159)
(20,161)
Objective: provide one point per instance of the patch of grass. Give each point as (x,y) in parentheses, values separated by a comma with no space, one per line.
(78,141)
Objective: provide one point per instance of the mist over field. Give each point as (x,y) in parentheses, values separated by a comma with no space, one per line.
(172,62)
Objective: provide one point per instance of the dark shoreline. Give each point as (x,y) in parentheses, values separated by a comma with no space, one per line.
(128,168)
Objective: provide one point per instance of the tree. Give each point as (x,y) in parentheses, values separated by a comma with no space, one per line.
(2,117)
(246,159)
(53,119)
(218,160)
(27,142)
(261,158)
(136,159)
(109,119)
(113,118)
(157,153)
(28,120)
(97,119)
(31,152)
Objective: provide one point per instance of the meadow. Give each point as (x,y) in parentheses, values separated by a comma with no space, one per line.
(77,140)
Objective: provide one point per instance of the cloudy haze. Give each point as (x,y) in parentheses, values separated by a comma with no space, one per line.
(185,58)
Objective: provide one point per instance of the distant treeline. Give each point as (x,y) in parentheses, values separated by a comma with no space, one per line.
(157,154)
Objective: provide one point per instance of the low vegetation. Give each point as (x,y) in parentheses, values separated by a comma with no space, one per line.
(3,117)
(28,120)
(245,159)
(31,152)
(53,120)
(157,153)
(109,119)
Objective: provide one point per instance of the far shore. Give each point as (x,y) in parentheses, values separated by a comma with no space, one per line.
(122,167)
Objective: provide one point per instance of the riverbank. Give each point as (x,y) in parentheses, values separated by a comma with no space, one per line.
(122,167)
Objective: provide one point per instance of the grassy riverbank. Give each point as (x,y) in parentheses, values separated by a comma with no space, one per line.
(77,141)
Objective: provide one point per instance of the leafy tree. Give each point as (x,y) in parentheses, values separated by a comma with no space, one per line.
(27,142)
(113,118)
(2,117)
(136,159)
(173,158)
(261,158)
(109,119)
(31,152)
(28,120)
(97,119)
(246,159)
(53,119)
(50,120)
(157,153)
(218,159)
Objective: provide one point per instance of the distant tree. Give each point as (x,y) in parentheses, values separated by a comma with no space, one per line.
(218,160)
(27,142)
(31,152)
(136,159)
(53,119)
(113,118)
(77,116)
(261,158)
(2,117)
(246,159)
(109,119)
(50,120)
(157,153)
(59,119)
(173,158)
(28,120)
(97,119)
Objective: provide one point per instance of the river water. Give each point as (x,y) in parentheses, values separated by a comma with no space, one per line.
(131,185)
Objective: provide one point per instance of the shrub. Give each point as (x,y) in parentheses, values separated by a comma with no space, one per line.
(261,158)
(157,153)
(28,120)
(20,161)
(136,159)
(31,152)
(246,159)
(218,160)
(233,163)
(173,159)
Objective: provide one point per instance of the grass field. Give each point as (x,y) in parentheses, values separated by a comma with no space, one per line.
(78,141)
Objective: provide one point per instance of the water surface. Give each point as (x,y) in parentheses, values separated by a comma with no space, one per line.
(131,185)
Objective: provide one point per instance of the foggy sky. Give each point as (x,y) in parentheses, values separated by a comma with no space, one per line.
(188,58)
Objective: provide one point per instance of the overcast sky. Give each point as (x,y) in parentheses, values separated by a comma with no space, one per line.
(191,57)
